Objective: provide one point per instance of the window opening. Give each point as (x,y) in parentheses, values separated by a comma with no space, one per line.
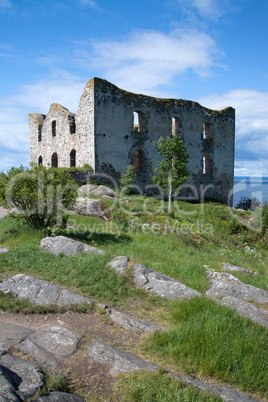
(54,160)
(54,128)
(176,126)
(207,164)
(40,161)
(73,158)
(39,133)
(138,160)
(72,127)
(139,122)
(207,132)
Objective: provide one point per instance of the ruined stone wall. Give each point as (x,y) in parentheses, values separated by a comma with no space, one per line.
(107,138)
(85,127)
(117,141)
(42,141)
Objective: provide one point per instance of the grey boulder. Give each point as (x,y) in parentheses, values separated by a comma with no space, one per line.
(103,190)
(25,377)
(223,284)
(4,250)
(119,264)
(162,285)
(63,245)
(40,292)
(94,208)
(87,188)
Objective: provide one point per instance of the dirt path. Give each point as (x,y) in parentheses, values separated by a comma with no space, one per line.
(87,378)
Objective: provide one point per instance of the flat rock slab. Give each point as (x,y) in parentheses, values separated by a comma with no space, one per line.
(94,208)
(11,334)
(40,292)
(49,345)
(59,397)
(223,284)
(25,377)
(63,245)
(246,309)
(162,285)
(234,268)
(4,250)
(119,264)
(119,360)
(132,323)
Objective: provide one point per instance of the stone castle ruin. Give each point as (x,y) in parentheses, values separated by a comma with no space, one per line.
(114,128)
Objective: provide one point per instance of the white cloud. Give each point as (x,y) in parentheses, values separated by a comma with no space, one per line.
(148,59)
(32,98)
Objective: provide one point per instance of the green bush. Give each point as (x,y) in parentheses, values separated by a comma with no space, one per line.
(40,195)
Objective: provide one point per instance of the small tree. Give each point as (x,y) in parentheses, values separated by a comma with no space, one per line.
(127,180)
(171,171)
(40,195)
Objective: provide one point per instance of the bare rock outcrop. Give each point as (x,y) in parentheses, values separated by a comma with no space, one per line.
(162,285)
(41,292)
(63,245)
(234,268)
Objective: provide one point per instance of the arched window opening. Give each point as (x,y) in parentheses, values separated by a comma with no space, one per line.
(138,161)
(40,161)
(176,126)
(54,160)
(54,128)
(39,133)
(73,158)
(207,132)
(207,164)
(138,122)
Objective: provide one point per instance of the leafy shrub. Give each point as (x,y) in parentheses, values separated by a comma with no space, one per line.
(127,180)
(121,219)
(40,195)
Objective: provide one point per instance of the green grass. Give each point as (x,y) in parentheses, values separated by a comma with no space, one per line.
(213,341)
(207,339)
(159,386)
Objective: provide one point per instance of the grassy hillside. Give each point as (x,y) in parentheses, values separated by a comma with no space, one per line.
(205,339)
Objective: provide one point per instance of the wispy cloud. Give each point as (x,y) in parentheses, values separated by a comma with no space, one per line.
(89,3)
(211,10)
(145,60)
(5,4)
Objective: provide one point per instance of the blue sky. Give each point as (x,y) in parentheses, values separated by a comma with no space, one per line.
(211,51)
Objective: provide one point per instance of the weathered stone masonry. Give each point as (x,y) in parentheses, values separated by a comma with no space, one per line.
(104,135)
